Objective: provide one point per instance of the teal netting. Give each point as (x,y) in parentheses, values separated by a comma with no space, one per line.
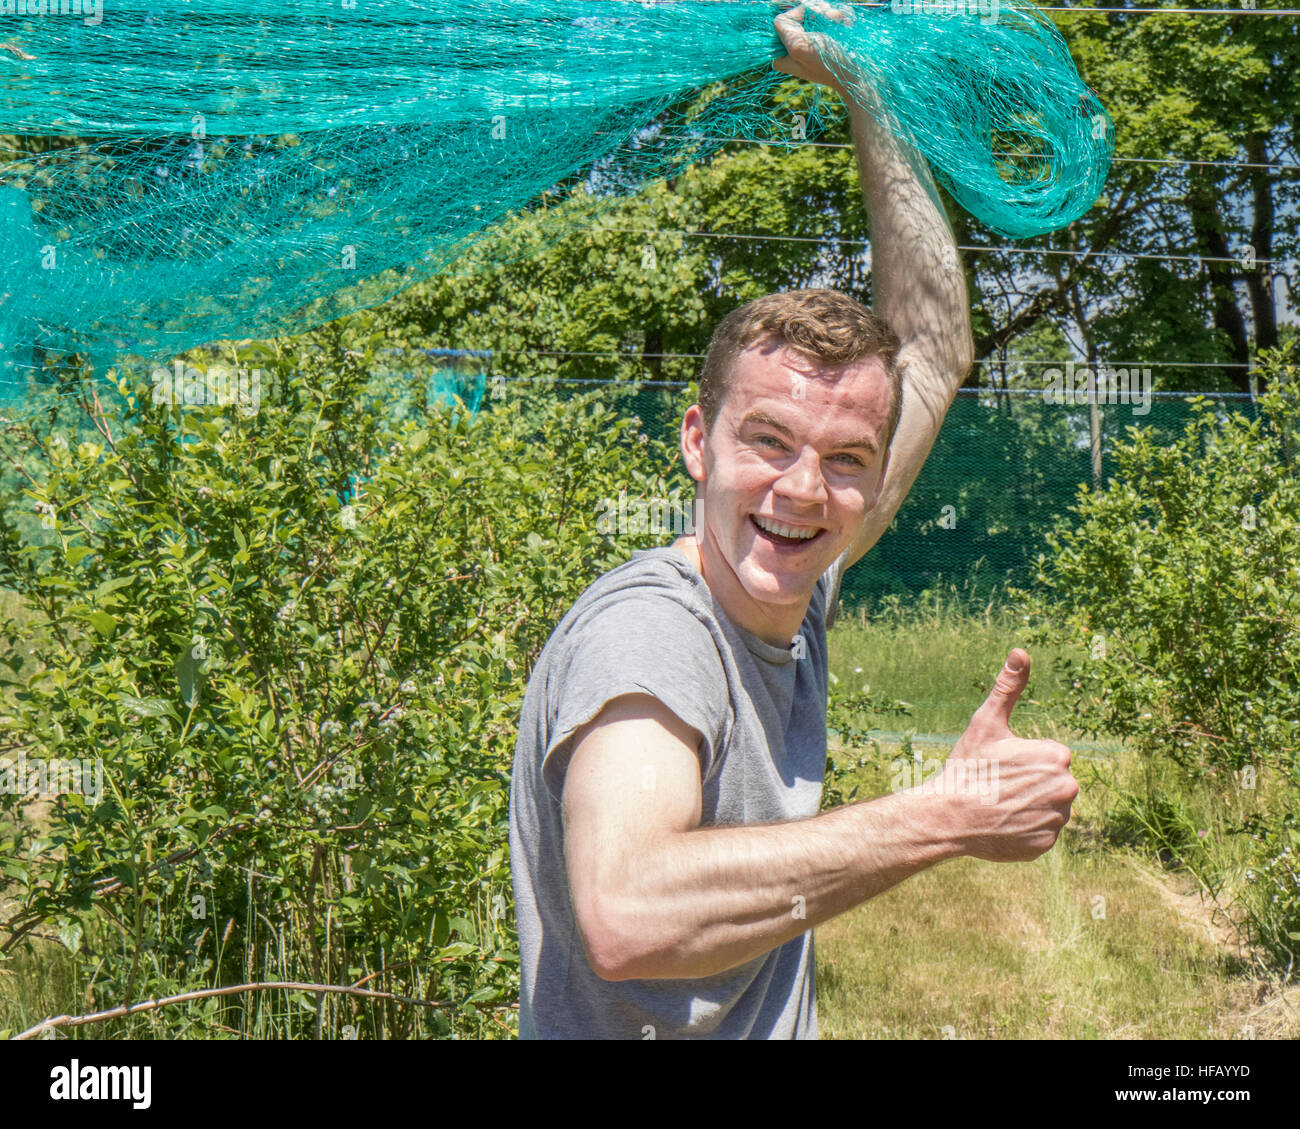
(458,376)
(248,170)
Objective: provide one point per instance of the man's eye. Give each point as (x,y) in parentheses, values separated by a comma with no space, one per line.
(770,439)
(852,460)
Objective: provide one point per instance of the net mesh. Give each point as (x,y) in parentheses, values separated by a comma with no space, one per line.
(1006,465)
(1004,468)
(246,170)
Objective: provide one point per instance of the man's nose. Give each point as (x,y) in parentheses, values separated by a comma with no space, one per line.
(803,481)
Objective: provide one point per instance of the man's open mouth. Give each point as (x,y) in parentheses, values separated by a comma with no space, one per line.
(784,535)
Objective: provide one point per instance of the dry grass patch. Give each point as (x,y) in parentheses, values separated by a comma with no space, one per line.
(1077,944)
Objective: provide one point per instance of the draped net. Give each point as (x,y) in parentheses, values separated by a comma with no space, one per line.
(245,168)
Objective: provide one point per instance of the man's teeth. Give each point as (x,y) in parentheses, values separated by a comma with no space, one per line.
(785,530)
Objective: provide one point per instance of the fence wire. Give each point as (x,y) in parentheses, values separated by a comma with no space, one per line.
(1005,468)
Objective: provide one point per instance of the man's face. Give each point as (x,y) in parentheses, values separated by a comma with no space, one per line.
(790,469)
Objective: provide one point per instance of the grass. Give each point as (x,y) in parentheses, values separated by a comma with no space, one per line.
(1075,944)
(941,657)
(36,982)
(1092,940)
(13,607)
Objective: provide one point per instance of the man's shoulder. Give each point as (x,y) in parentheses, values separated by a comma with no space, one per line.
(653,595)
(640,628)
(649,575)
(663,578)
(829,586)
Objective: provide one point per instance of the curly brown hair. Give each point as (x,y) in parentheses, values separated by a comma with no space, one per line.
(824,325)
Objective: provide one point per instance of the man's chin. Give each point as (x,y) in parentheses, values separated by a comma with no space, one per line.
(769,586)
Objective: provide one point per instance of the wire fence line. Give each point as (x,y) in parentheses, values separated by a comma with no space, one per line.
(1081,9)
(1170,161)
(769,237)
(1004,470)
(1006,466)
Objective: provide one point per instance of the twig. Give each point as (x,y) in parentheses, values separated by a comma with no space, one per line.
(406,963)
(235,989)
(18,928)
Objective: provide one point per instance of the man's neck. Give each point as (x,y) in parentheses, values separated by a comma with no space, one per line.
(741,608)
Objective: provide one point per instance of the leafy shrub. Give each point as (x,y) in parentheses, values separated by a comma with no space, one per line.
(305,709)
(1180,586)
(853,715)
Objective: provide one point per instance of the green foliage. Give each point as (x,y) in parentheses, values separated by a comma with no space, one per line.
(1162,822)
(852,717)
(305,709)
(1180,586)
(999,471)
(1179,88)
(605,287)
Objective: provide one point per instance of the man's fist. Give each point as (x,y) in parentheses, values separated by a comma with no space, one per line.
(803,60)
(1021,814)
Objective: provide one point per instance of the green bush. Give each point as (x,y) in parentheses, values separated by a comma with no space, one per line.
(305,710)
(853,716)
(1179,584)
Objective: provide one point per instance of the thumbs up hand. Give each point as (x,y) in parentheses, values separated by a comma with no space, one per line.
(1020,816)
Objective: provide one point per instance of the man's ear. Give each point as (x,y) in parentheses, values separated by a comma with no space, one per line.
(880,482)
(693,440)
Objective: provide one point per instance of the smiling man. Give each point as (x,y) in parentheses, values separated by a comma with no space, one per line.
(800,396)
(668,858)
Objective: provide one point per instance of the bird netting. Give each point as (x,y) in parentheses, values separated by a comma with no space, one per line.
(251,168)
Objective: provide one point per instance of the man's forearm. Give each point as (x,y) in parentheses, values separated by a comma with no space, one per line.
(919,288)
(706,900)
(917,283)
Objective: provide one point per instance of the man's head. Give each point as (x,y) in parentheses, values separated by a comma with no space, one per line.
(828,327)
(799,399)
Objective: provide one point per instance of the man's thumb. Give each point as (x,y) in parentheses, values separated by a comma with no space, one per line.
(995,713)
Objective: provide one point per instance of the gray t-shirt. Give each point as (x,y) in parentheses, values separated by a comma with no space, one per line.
(651,626)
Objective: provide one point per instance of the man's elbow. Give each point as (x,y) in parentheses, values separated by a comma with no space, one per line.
(963,356)
(607,955)
(615,949)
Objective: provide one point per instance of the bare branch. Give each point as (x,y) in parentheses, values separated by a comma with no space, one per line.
(232,990)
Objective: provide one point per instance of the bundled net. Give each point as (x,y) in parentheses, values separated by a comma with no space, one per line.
(247,169)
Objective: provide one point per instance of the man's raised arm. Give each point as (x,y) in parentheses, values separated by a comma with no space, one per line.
(917,281)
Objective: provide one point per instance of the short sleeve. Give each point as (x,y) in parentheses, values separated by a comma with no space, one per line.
(834,576)
(635,645)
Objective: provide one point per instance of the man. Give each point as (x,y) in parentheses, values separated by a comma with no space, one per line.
(668,856)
